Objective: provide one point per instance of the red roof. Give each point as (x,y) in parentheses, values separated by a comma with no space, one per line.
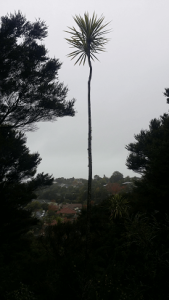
(66,210)
(73,205)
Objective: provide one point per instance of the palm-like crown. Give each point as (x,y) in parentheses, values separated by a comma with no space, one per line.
(89,39)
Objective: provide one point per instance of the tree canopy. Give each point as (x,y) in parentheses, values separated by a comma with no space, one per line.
(89,39)
(149,156)
(116,177)
(17,183)
(29,88)
(150,149)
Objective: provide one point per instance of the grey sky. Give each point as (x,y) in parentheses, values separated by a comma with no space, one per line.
(127,84)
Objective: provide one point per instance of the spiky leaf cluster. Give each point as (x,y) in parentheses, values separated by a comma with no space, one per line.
(89,39)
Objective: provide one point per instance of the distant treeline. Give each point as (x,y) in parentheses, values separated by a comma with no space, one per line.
(74,190)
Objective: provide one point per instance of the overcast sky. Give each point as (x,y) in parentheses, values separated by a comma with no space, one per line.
(127,84)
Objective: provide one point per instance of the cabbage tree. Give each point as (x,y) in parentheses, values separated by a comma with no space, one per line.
(88,40)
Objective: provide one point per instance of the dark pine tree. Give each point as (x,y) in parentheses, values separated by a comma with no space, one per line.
(29,88)
(18,183)
(149,156)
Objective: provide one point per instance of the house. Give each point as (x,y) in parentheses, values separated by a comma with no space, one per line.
(66,211)
(74,206)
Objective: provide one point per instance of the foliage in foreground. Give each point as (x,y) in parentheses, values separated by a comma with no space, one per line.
(128,251)
(128,258)
(18,182)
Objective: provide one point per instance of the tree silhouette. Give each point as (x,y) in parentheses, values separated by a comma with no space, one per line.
(30,91)
(88,40)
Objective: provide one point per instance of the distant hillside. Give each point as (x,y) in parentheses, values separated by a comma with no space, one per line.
(74,190)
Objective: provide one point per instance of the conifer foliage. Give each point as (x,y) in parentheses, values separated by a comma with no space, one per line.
(17,183)
(149,156)
(29,88)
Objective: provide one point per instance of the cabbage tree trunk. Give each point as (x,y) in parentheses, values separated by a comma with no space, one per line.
(89,195)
